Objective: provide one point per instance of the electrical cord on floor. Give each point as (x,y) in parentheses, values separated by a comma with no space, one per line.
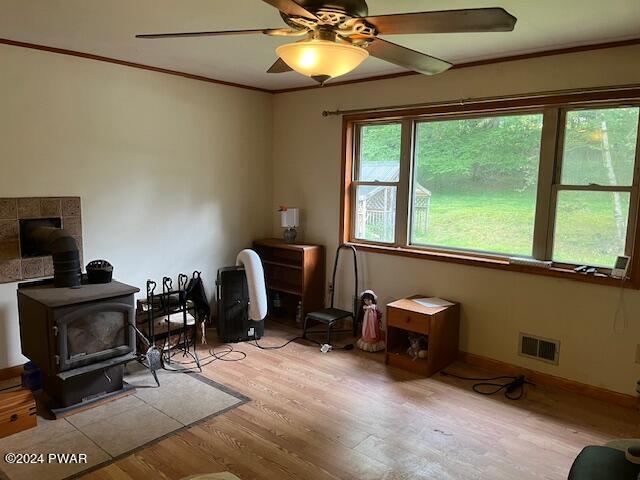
(487,386)
(222,356)
(277,347)
(213,356)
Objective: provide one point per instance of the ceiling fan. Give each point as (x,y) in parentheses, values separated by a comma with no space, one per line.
(339,35)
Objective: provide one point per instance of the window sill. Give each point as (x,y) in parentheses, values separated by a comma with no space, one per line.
(496,263)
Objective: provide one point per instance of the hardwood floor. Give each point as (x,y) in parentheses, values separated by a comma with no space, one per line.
(345,415)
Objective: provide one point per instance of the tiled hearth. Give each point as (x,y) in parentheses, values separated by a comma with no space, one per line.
(12,266)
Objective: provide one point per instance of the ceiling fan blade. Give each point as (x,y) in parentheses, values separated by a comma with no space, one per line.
(445,21)
(279,67)
(265,31)
(407,58)
(289,7)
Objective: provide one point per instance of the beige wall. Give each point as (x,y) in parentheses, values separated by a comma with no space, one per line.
(174,174)
(496,304)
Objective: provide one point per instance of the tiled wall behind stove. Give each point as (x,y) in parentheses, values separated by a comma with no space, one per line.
(12,266)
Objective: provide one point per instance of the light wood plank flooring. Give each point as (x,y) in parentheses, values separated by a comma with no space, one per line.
(345,415)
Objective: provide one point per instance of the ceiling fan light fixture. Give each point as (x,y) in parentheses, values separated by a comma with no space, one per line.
(322,59)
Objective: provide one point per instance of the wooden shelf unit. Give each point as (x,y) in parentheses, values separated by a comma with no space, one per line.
(296,270)
(440,325)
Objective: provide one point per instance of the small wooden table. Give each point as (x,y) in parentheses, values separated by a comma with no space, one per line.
(440,325)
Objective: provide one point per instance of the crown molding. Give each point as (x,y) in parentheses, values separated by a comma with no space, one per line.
(100,58)
(509,58)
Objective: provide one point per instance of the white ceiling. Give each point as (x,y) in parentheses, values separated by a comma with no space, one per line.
(107,28)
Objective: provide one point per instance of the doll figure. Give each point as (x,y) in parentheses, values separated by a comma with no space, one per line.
(370,315)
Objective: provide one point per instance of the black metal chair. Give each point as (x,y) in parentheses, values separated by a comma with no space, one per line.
(329,316)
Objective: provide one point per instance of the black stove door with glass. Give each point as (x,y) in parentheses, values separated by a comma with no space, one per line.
(87,334)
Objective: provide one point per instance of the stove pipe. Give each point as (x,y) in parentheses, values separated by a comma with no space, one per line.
(64,251)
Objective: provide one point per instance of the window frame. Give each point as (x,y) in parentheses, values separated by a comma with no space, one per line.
(356,182)
(554,109)
(462,116)
(557,186)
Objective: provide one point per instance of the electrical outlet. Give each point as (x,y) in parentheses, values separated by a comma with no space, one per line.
(329,287)
(251,332)
(638,353)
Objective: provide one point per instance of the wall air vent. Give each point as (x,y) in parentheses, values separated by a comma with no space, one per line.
(539,348)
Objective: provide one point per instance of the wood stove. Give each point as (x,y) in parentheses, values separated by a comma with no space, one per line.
(80,337)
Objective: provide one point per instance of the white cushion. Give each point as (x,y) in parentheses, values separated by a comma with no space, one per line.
(176,321)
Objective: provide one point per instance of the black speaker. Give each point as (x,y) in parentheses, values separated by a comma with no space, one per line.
(233,300)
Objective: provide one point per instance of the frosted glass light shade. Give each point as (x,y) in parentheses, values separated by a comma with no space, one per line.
(321,58)
(290,218)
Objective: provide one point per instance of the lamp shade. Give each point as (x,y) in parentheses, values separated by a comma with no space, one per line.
(321,59)
(290,217)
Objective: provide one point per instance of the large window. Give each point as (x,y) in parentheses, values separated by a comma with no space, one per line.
(475,183)
(555,183)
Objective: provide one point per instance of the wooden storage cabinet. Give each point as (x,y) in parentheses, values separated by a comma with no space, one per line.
(294,270)
(440,325)
(17,412)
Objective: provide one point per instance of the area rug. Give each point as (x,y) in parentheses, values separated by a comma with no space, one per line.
(116,429)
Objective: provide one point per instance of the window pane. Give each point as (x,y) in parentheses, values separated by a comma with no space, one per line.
(375,213)
(380,153)
(600,146)
(475,183)
(591,227)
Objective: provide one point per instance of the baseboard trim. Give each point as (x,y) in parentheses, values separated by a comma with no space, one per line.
(11,372)
(547,380)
